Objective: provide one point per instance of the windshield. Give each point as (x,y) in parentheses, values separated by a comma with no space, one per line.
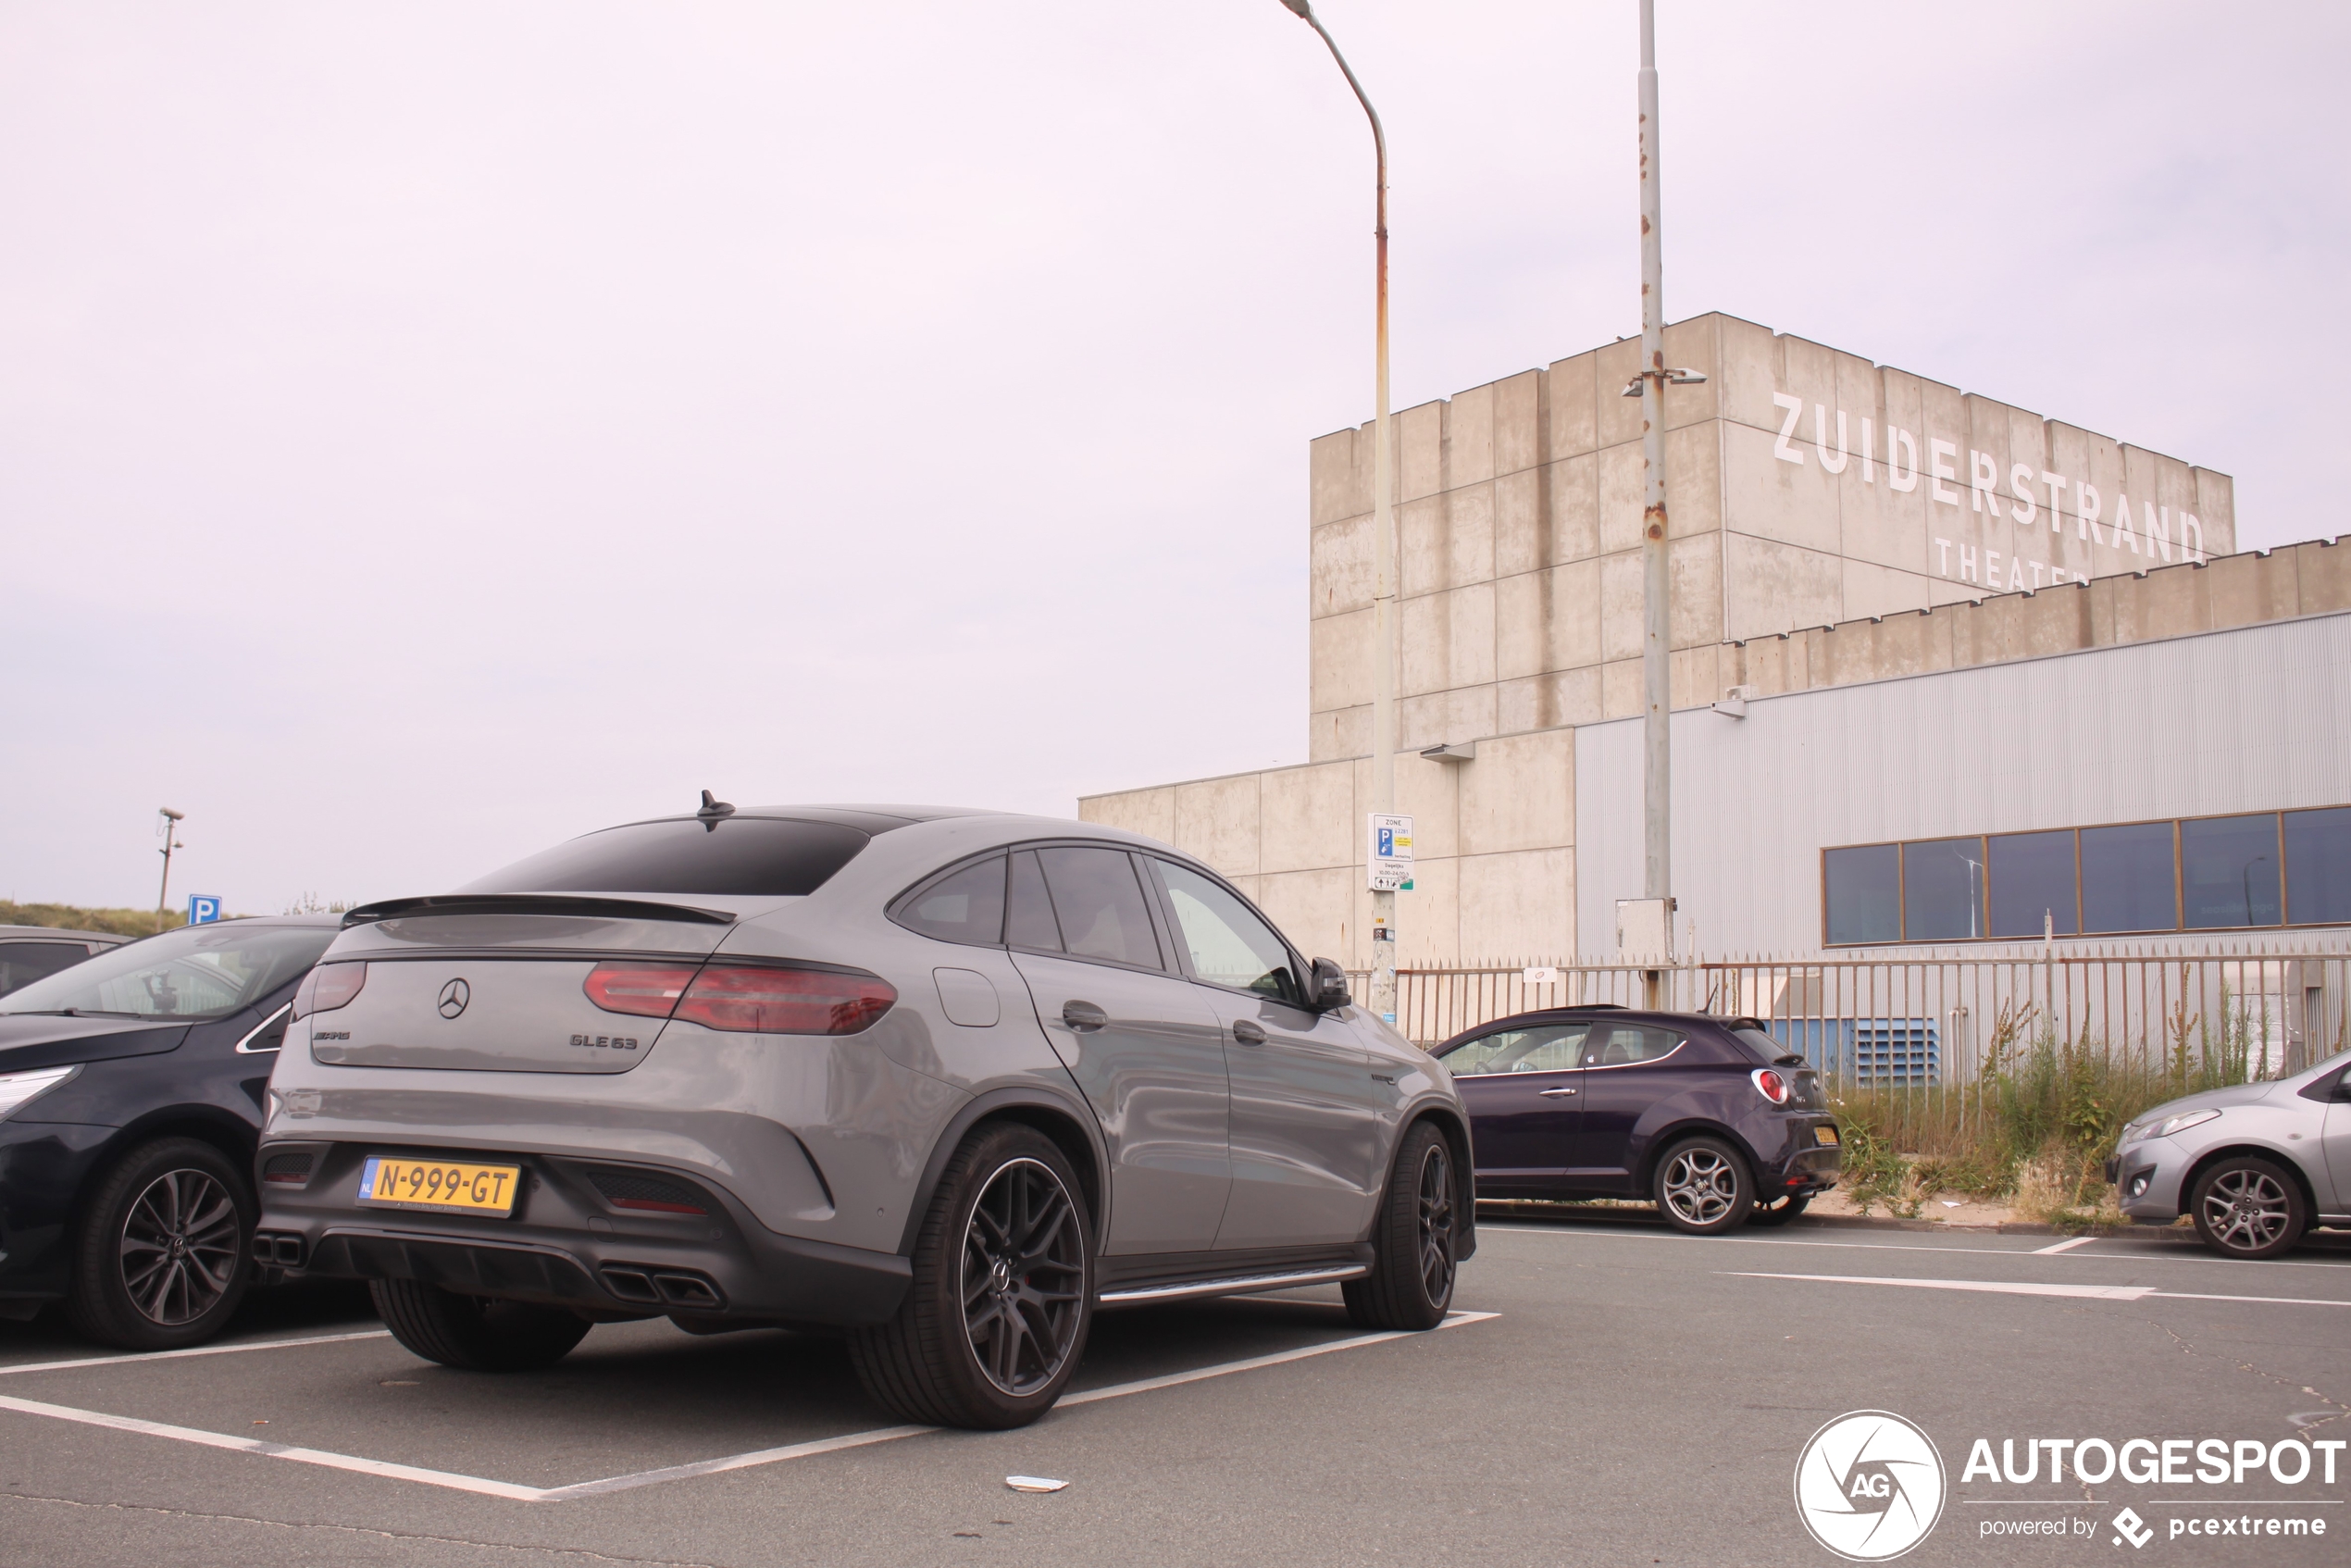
(739,856)
(195,972)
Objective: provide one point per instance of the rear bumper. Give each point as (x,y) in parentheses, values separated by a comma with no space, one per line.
(1802,1163)
(565,1245)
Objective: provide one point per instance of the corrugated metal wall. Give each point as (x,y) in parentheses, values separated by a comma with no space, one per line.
(2251,719)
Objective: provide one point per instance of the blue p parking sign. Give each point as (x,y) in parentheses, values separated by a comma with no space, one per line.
(203,908)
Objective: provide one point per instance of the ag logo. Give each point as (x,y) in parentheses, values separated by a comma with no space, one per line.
(1869,1486)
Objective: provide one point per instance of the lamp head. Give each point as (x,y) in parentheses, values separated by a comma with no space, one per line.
(1300,10)
(175,815)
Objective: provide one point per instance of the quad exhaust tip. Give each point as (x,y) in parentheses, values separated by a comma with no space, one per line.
(681,1289)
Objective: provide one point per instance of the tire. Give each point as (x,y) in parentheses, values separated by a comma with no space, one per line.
(1410,1285)
(1780,1212)
(160,1256)
(2249,1207)
(995,1319)
(1704,1187)
(474,1334)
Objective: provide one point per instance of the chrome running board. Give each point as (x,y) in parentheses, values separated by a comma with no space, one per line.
(1238,1284)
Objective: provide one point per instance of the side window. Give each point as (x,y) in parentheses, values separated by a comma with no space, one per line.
(1230,946)
(963,906)
(269,1036)
(1101,905)
(1028,914)
(23,963)
(1548,1048)
(1621,1045)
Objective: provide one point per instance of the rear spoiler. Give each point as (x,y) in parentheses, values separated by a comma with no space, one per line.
(534,904)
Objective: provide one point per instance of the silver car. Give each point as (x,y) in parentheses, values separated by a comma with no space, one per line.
(949,1080)
(2255,1166)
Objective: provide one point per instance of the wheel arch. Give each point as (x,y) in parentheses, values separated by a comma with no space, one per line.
(1666,1136)
(2286,1162)
(1072,1130)
(236,1141)
(1454,1127)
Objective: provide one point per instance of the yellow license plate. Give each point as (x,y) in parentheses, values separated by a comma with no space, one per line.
(451,1187)
(1825,1137)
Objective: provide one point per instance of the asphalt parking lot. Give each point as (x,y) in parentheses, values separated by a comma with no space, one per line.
(1634,1397)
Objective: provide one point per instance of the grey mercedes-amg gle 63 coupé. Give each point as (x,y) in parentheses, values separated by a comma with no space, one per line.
(949,1081)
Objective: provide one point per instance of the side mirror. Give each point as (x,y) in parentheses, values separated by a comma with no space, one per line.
(1330,986)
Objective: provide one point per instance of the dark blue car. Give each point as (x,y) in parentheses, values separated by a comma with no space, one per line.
(1712,1118)
(131,1087)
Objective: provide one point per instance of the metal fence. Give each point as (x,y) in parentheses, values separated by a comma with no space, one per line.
(2159,1014)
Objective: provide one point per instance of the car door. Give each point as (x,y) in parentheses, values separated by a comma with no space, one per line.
(1307,1124)
(1524,1090)
(1141,1041)
(1627,1068)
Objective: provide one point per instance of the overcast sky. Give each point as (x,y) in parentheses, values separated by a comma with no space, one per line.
(429,430)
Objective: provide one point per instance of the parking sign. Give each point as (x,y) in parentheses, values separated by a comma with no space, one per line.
(203,908)
(1387,861)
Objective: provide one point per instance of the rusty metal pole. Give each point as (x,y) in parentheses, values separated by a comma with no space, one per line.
(1384,618)
(1657,582)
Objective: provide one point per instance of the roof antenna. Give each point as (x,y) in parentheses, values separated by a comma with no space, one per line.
(713,808)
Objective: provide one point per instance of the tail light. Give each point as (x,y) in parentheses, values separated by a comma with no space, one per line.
(327,987)
(785,1002)
(743,998)
(1771,1084)
(650,990)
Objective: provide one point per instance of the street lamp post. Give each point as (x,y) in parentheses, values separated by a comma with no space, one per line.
(171,820)
(1657,582)
(1383,541)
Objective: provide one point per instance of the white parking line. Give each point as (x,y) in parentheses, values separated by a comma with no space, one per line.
(2160,1253)
(2063,1246)
(483,1486)
(199,1350)
(2013,1287)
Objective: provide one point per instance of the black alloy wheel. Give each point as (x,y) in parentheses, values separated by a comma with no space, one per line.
(1781,1212)
(995,1317)
(2247,1207)
(1024,1276)
(160,1255)
(1703,1186)
(1411,1284)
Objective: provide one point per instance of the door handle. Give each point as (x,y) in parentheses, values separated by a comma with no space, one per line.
(1083,1016)
(1553,1093)
(1249,1033)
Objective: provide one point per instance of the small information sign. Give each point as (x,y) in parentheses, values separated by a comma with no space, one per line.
(203,908)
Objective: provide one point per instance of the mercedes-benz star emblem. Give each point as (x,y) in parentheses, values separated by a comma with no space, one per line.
(453,996)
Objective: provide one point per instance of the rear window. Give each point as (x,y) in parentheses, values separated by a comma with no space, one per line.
(1766,1048)
(736,856)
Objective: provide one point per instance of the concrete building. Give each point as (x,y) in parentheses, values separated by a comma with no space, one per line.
(1834,524)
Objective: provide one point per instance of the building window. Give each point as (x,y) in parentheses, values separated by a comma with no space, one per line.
(2229,871)
(2196,874)
(2034,889)
(2130,878)
(1863,889)
(1943,891)
(2318,866)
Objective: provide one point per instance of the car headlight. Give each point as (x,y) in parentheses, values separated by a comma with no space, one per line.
(2179,1123)
(20,1090)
